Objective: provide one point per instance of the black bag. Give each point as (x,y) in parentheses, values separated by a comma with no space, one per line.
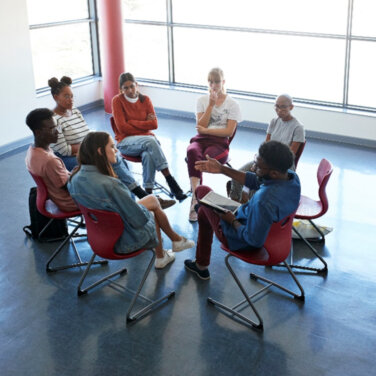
(57,230)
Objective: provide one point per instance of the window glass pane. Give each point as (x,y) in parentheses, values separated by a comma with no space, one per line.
(45,11)
(364,13)
(61,50)
(146,53)
(362,74)
(295,15)
(151,10)
(270,64)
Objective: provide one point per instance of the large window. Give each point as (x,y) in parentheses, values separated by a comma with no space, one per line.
(63,39)
(318,51)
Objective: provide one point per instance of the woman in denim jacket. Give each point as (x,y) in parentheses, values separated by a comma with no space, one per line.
(94,184)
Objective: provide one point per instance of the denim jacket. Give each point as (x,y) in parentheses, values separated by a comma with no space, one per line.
(95,190)
(273,201)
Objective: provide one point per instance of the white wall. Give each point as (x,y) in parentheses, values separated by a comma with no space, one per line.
(17,88)
(330,121)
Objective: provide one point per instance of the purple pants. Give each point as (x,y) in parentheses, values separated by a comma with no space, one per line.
(208,224)
(200,146)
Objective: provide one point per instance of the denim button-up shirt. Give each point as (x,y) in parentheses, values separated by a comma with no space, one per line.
(95,190)
(273,201)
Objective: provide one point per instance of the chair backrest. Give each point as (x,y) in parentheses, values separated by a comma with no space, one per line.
(42,194)
(278,242)
(324,171)
(104,229)
(113,125)
(299,153)
(276,248)
(233,135)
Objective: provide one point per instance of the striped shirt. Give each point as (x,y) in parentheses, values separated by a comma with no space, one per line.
(73,129)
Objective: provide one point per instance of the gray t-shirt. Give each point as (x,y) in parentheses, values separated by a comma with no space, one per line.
(286,131)
(228,110)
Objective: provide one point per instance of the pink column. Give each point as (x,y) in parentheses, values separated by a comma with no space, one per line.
(111,47)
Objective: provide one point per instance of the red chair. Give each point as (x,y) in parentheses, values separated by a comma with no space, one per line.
(311,209)
(299,153)
(104,228)
(158,188)
(48,208)
(275,250)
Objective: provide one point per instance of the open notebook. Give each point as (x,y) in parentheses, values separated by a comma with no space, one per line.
(220,203)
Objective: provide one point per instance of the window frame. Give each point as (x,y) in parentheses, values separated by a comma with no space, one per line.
(92,21)
(348,38)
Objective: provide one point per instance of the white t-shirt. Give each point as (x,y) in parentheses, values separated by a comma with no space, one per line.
(228,110)
(286,131)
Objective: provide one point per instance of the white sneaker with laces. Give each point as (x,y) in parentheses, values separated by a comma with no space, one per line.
(180,245)
(168,257)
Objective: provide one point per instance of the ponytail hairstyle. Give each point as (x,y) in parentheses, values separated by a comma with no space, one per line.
(56,85)
(89,153)
(124,77)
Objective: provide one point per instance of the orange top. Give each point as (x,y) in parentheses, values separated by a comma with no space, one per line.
(130,118)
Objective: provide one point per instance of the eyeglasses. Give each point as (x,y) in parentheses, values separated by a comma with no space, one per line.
(214,81)
(282,106)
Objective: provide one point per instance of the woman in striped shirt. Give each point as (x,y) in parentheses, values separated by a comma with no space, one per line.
(71,124)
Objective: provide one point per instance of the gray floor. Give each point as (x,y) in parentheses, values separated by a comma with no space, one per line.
(47,330)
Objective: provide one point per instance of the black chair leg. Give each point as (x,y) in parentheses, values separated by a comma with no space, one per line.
(324,269)
(84,291)
(142,312)
(254,324)
(130,317)
(61,247)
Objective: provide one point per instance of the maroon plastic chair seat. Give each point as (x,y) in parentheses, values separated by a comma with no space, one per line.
(104,228)
(310,209)
(275,250)
(49,209)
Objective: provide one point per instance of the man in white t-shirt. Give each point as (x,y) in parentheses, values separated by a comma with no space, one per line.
(284,128)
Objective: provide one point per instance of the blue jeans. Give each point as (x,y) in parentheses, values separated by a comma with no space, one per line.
(70,161)
(122,171)
(151,154)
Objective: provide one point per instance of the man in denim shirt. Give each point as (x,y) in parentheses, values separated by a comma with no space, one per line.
(277,195)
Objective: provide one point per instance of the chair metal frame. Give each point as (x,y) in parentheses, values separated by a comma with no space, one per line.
(49,209)
(104,228)
(299,153)
(275,250)
(158,188)
(324,171)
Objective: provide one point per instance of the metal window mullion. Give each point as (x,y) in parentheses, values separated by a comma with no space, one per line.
(170,42)
(94,39)
(59,23)
(237,29)
(347,54)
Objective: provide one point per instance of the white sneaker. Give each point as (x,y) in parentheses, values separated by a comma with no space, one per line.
(182,244)
(167,258)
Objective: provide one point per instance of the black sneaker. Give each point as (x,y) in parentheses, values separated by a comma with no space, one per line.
(191,266)
(175,189)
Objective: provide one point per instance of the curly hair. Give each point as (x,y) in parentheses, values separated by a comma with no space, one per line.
(56,85)
(35,118)
(276,155)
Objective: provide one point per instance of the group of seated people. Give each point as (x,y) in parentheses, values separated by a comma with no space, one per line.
(83,166)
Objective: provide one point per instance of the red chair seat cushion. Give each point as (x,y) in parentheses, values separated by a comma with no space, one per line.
(308,208)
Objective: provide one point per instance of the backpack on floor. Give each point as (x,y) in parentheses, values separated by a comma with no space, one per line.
(57,230)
